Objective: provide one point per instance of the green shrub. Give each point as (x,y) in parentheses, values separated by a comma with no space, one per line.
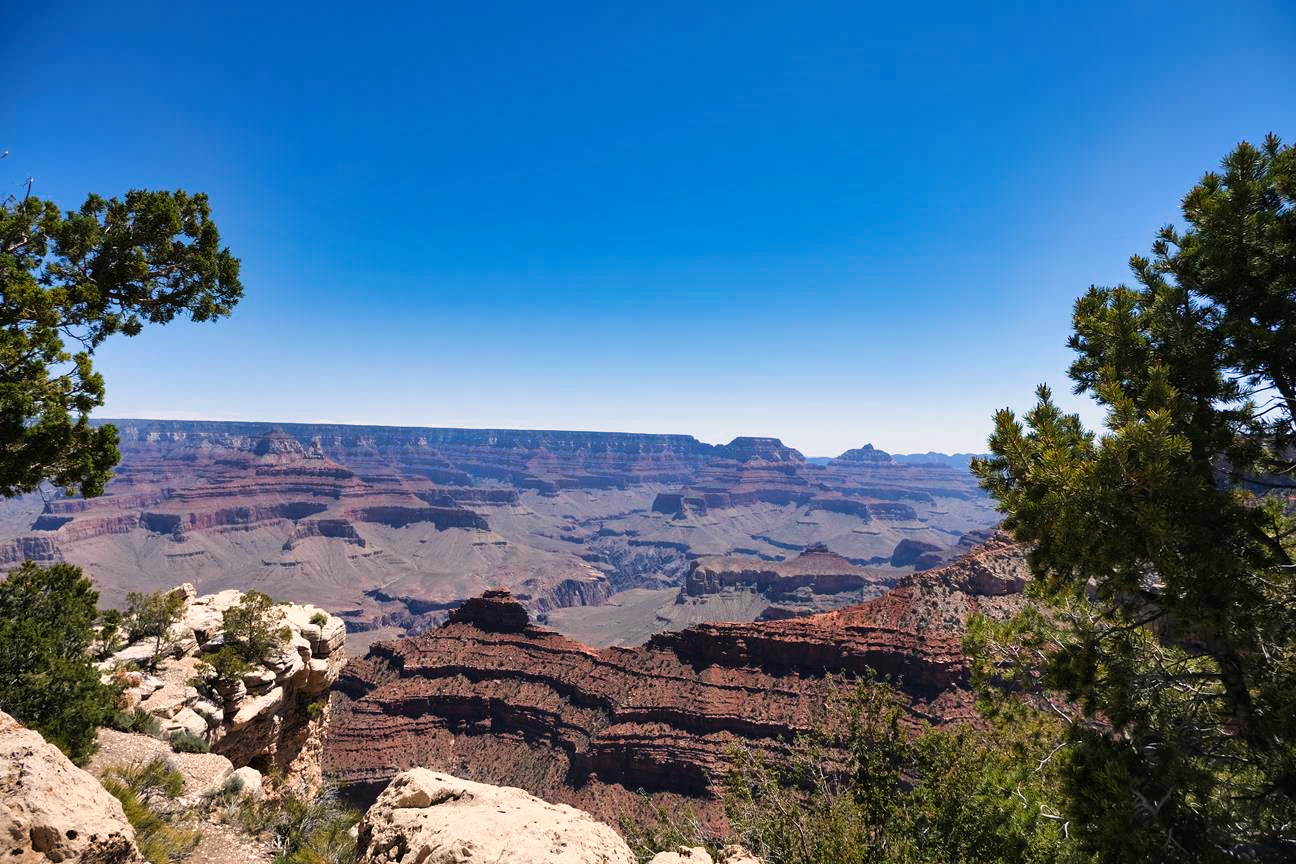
(869,792)
(139,721)
(48,680)
(186,742)
(319,619)
(305,830)
(255,627)
(157,777)
(227,663)
(161,838)
(107,639)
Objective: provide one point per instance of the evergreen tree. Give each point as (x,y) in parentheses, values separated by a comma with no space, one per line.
(110,267)
(48,680)
(150,616)
(1167,542)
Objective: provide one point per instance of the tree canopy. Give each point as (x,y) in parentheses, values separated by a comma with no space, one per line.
(68,281)
(1166,542)
(47,676)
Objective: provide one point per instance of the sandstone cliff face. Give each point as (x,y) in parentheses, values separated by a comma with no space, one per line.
(425,816)
(50,810)
(275,715)
(495,698)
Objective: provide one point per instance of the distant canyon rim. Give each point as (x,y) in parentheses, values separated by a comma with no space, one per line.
(606,537)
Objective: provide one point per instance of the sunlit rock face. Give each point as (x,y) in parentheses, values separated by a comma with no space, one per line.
(273,716)
(51,810)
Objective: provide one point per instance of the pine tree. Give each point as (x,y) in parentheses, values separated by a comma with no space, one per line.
(48,680)
(110,267)
(1166,543)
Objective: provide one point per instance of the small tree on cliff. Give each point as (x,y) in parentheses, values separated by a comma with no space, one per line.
(1167,543)
(109,267)
(151,616)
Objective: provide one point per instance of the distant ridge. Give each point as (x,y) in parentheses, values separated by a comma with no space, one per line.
(953,460)
(869,453)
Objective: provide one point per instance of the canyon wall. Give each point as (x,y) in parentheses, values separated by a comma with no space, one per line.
(493,697)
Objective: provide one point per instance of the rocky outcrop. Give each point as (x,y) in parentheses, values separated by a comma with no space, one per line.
(866,455)
(816,569)
(50,810)
(916,554)
(274,715)
(425,816)
(495,698)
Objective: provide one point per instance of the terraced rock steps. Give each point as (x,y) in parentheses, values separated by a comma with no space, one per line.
(492,697)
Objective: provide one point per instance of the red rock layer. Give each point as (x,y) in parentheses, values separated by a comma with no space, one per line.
(494,698)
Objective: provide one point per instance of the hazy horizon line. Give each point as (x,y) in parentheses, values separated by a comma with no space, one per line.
(282,423)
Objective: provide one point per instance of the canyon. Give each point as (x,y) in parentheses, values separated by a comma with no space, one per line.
(393,527)
(493,697)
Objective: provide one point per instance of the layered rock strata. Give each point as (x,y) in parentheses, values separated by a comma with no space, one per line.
(340,515)
(493,697)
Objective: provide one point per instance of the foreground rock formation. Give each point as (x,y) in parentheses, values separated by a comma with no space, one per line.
(425,816)
(266,718)
(495,698)
(50,810)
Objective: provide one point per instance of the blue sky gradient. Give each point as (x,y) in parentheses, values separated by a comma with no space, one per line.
(833,223)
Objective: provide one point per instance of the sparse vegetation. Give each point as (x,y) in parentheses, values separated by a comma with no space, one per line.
(253,630)
(187,742)
(146,791)
(151,616)
(319,619)
(665,828)
(897,798)
(314,830)
(138,720)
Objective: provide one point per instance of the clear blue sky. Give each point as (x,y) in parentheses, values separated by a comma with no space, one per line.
(832,223)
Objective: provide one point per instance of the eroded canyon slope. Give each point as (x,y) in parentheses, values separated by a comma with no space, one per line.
(395,526)
(493,697)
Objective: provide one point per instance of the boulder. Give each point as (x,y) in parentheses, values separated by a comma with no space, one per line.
(185,720)
(256,706)
(51,810)
(250,778)
(424,815)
